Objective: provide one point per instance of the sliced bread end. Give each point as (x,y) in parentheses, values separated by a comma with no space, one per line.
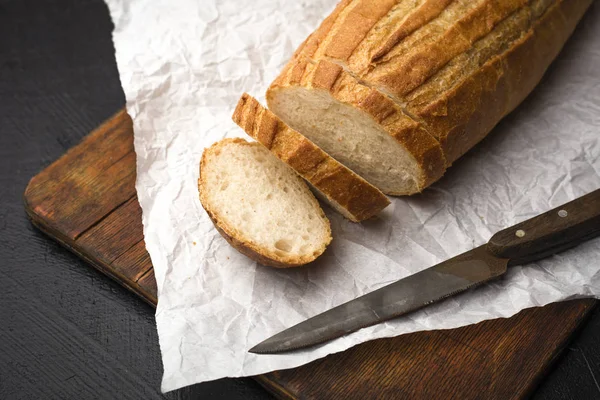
(260,206)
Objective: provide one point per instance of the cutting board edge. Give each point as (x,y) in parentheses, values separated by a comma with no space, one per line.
(39,222)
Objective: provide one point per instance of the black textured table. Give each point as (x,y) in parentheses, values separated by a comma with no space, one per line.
(66,331)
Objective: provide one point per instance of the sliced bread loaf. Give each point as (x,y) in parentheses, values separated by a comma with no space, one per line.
(452,68)
(260,205)
(348,193)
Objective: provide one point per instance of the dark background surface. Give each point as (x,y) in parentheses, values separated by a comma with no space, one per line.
(66,331)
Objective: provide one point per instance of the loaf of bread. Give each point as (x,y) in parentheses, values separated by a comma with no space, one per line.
(346,192)
(400,89)
(260,205)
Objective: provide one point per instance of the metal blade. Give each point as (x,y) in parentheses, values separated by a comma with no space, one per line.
(411,293)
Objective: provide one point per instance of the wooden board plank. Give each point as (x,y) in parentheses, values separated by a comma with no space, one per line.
(88,182)
(115,234)
(94,154)
(135,262)
(86,200)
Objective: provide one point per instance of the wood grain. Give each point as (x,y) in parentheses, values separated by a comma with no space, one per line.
(88,182)
(86,200)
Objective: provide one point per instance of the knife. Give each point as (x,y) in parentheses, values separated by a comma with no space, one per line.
(539,237)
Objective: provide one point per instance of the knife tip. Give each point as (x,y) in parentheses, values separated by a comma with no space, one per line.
(255,350)
(259,349)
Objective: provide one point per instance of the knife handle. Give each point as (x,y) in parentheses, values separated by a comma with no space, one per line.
(549,233)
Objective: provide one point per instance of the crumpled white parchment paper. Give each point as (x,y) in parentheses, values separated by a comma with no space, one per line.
(183,65)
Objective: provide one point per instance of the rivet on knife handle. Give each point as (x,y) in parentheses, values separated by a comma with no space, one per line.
(556,230)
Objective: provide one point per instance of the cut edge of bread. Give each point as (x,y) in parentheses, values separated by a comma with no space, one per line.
(347,192)
(239,239)
(327,105)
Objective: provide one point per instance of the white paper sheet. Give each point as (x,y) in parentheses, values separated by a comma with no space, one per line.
(183,65)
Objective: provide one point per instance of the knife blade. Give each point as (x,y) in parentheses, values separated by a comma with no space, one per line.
(543,235)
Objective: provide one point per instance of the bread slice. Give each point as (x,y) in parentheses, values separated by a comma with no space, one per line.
(348,193)
(260,206)
(358,126)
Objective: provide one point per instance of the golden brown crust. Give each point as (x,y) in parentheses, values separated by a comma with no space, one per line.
(362,31)
(358,198)
(409,22)
(464,114)
(397,45)
(237,239)
(351,27)
(542,43)
(314,41)
(402,70)
(330,77)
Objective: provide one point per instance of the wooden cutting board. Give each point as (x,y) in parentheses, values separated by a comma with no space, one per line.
(86,200)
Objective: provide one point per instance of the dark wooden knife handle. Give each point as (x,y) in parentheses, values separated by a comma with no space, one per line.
(556,230)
